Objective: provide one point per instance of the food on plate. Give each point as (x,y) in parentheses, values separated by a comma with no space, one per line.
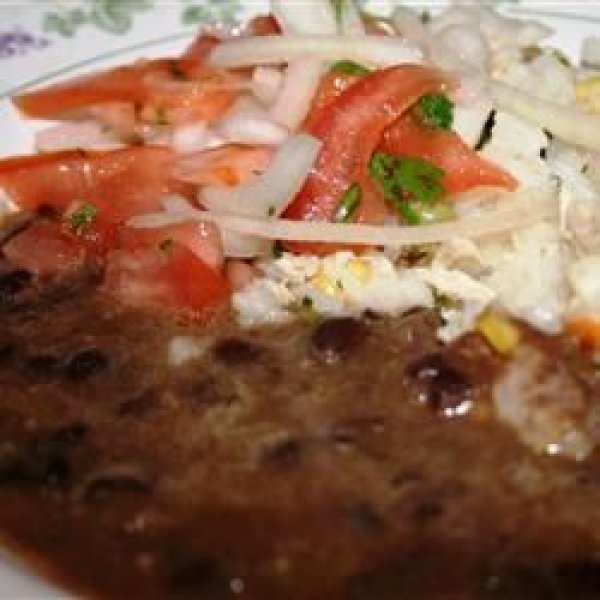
(310,310)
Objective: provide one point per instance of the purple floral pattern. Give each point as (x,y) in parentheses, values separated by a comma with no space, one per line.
(17,41)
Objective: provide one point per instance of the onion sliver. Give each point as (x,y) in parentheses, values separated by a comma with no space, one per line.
(276,49)
(249,123)
(272,191)
(306,16)
(512,216)
(299,88)
(564,122)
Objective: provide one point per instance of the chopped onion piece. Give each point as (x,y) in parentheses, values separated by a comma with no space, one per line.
(266,83)
(307,16)
(90,135)
(248,123)
(271,192)
(277,49)
(512,215)
(565,123)
(299,88)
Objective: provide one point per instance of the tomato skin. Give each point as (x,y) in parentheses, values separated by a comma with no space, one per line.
(463,167)
(120,184)
(44,249)
(351,127)
(160,83)
(173,278)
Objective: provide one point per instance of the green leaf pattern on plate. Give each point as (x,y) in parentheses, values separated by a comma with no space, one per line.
(117,16)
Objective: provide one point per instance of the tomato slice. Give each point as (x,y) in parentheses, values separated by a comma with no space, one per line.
(44,249)
(167,278)
(119,184)
(167,85)
(463,167)
(351,128)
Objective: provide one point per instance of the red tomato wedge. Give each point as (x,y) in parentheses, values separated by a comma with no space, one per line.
(169,278)
(463,167)
(168,85)
(44,249)
(351,128)
(119,184)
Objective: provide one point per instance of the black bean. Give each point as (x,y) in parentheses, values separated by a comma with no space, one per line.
(237,352)
(86,364)
(12,284)
(447,387)
(201,574)
(286,453)
(364,515)
(335,339)
(7,352)
(579,578)
(69,436)
(106,486)
(139,405)
(43,367)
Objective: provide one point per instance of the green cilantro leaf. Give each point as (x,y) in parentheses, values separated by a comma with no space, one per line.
(436,110)
(349,204)
(349,67)
(82,217)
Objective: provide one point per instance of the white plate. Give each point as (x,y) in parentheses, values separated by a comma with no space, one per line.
(44,40)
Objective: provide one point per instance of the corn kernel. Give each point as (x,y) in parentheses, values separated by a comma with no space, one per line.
(499,332)
(587,92)
(325,284)
(361,269)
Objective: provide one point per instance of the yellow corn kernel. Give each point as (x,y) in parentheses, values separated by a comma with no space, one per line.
(325,284)
(361,269)
(587,92)
(499,332)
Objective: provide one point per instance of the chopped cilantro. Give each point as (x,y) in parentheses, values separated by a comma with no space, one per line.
(82,217)
(338,10)
(348,204)
(412,185)
(277,250)
(349,67)
(436,110)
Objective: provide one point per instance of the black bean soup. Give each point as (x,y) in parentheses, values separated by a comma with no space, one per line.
(354,459)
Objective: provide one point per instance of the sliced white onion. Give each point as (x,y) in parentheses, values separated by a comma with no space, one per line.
(305,16)
(300,85)
(271,191)
(194,137)
(277,49)
(78,134)
(351,22)
(266,83)
(512,216)
(565,123)
(249,123)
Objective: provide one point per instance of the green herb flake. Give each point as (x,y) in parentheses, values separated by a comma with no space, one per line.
(436,111)
(425,17)
(338,10)
(349,67)
(412,185)
(349,204)
(561,57)
(277,250)
(271,211)
(82,217)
